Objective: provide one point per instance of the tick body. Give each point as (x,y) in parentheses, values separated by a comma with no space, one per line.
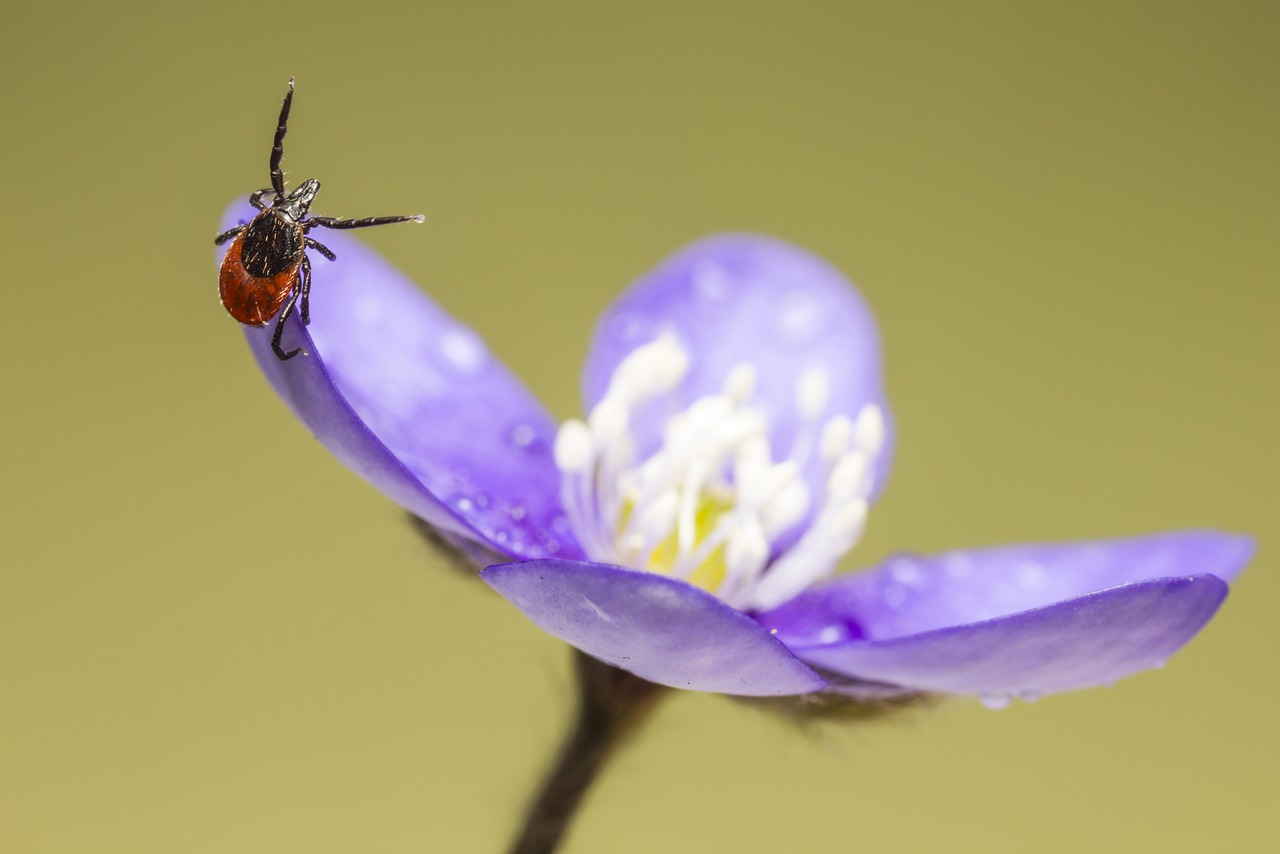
(266,271)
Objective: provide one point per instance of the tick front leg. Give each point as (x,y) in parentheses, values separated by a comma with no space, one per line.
(321,248)
(332,222)
(258,196)
(306,290)
(275,339)
(227,235)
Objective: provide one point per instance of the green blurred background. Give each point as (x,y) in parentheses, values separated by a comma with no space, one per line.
(213,638)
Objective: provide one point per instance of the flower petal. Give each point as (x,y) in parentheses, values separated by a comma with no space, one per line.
(908,594)
(656,627)
(737,298)
(1082,642)
(1016,619)
(412,401)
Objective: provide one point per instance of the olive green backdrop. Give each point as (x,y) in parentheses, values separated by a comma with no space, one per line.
(213,638)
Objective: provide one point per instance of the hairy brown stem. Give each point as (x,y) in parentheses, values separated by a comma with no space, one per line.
(611,703)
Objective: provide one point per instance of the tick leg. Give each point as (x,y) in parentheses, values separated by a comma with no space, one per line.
(277,147)
(321,248)
(306,290)
(275,339)
(227,235)
(332,222)
(256,198)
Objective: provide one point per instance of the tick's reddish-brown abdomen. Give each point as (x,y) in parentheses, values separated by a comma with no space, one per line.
(249,299)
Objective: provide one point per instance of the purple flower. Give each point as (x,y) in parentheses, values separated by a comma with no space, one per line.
(686,531)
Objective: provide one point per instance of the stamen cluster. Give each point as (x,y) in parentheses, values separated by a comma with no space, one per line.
(711,504)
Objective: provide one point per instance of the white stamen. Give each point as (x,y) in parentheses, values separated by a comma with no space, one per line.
(836,436)
(848,477)
(712,501)
(745,553)
(868,430)
(741,383)
(574,449)
(655,522)
(812,393)
(609,420)
(651,369)
(788,508)
(687,518)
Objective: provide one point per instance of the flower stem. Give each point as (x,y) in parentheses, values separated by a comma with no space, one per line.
(611,703)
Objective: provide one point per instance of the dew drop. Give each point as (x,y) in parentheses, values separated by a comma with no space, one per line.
(1030,696)
(709,281)
(626,327)
(464,504)
(523,435)
(995,702)
(831,634)
(800,319)
(1161,663)
(517,512)
(463,349)
(1031,575)
(905,572)
(483,500)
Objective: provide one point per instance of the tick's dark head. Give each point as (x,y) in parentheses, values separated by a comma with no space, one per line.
(299,201)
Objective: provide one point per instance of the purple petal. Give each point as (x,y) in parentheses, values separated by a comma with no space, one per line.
(1032,618)
(658,628)
(745,298)
(413,402)
(908,594)
(1083,642)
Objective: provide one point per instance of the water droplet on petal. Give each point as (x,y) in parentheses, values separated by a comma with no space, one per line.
(904,571)
(1031,575)
(625,327)
(1030,696)
(831,634)
(463,349)
(464,504)
(995,702)
(800,319)
(522,435)
(709,280)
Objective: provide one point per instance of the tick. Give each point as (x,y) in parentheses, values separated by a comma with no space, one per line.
(266,270)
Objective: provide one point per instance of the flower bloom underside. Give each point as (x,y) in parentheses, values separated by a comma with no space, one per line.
(687,530)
